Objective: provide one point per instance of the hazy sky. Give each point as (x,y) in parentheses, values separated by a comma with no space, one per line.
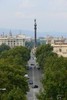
(51,15)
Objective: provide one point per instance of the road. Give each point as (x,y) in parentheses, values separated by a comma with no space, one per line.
(35,76)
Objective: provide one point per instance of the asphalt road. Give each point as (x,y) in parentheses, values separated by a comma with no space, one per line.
(35,76)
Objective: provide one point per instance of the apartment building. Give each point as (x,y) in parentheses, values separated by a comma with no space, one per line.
(59,45)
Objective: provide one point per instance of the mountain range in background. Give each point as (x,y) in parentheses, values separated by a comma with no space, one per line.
(31,33)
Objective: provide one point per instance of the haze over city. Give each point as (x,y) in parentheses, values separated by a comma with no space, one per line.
(51,15)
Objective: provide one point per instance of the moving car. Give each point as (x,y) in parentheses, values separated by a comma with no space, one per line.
(38,68)
(35,86)
(30,82)
(32,64)
(30,67)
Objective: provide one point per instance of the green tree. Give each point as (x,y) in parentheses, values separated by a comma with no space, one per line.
(54,80)
(29,44)
(4,47)
(42,52)
(14,94)
(12,71)
(17,52)
(43,49)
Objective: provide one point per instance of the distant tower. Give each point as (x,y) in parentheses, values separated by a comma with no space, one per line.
(10,33)
(3,34)
(35,33)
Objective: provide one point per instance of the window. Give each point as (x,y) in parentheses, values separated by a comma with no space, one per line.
(60,50)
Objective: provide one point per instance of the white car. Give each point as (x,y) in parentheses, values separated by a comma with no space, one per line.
(26,75)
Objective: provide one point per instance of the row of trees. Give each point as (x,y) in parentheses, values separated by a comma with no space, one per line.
(13,84)
(30,44)
(54,79)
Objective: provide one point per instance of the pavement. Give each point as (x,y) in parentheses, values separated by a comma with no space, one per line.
(35,76)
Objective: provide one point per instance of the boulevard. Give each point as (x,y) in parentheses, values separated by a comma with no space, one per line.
(34,75)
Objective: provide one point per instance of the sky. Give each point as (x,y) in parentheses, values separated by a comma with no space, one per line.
(51,15)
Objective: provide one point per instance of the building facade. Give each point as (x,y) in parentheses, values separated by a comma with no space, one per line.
(59,45)
(12,41)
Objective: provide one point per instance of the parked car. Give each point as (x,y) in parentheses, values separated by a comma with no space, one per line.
(26,75)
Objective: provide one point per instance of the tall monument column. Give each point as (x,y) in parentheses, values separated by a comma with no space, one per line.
(35,33)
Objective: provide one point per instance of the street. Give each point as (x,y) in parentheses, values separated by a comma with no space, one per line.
(35,76)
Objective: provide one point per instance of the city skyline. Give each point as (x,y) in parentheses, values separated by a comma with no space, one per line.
(51,15)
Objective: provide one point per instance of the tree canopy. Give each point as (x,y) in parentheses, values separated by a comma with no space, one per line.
(12,71)
(54,78)
(4,47)
(42,52)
